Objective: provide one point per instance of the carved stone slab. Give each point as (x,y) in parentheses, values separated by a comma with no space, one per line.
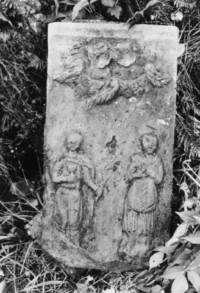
(108,142)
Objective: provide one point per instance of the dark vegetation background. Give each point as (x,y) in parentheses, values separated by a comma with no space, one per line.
(23,74)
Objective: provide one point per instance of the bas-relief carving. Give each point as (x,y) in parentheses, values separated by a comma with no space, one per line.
(144,175)
(74,170)
(84,71)
(70,173)
(129,75)
(100,71)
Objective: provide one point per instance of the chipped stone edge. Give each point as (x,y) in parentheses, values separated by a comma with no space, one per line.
(115,30)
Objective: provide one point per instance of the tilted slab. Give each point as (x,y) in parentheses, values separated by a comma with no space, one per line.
(108,142)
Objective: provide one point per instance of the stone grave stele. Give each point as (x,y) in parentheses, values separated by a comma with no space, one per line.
(109,135)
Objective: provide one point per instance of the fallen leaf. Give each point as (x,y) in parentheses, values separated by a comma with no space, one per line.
(151,3)
(2,283)
(34,202)
(2,286)
(178,16)
(184,186)
(115,11)
(4,18)
(89,279)
(183,258)
(174,241)
(180,284)
(78,7)
(188,217)
(166,249)
(195,263)
(173,272)
(193,238)
(181,230)
(197,218)
(156,289)
(53,18)
(194,279)
(108,3)
(156,259)
(189,204)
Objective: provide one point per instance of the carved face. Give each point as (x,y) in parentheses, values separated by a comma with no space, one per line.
(74,141)
(149,143)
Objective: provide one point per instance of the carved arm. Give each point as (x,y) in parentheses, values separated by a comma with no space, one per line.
(156,171)
(57,174)
(88,180)
(136,169)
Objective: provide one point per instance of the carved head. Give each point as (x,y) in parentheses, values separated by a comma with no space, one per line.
(149,143)
(74,141)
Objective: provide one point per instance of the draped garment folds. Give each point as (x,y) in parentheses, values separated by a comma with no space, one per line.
(144,173)
(71,173)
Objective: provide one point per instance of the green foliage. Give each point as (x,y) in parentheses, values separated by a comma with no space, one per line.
(178,260)
(23,87)
(176,264)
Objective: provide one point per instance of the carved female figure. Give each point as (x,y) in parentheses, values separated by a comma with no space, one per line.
(144,174)
(70,173)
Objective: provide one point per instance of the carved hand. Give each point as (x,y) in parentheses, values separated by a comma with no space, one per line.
(129,176)
(136,172)
(151,173)
(62,178)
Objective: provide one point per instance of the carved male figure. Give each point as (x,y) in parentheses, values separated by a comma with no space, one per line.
(144,174)
(70,173)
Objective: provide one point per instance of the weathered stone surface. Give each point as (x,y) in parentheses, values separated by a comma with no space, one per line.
(109,141)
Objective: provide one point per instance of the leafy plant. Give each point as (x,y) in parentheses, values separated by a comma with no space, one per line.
(22,94)
(177,263)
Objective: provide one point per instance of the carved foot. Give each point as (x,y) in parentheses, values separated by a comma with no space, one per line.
(34,226)
(87,242)
(133,246)
(74,236)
